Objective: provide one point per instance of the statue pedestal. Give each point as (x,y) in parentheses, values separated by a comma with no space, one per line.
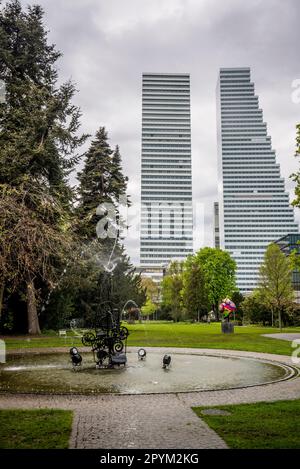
(227,327)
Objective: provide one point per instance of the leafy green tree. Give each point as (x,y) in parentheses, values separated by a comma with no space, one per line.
(152,289)
(296,176)
(38,141)
(219,274)
(194,294)
(149,308)
(275,281)
(171,290)
(255,310)
(238,299)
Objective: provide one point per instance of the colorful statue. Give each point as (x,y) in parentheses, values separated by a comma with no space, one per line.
(227,307)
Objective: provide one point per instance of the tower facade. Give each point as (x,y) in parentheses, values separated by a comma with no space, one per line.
(253,204)
(166,176)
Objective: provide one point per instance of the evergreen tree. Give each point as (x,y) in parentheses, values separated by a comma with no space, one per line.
(94,183)
(38,138)
(102,183)
(118,182)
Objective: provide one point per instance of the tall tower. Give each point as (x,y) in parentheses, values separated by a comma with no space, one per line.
(254,207)
(166,177)
(216,225)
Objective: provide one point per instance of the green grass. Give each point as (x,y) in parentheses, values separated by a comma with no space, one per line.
(265,425)
(41,341)
(35,429)
(170,334)
(209,336)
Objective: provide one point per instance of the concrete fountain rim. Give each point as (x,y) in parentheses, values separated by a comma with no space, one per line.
(283,361)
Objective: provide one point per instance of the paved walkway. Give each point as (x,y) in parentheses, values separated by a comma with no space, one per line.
(154,421)
(283,336)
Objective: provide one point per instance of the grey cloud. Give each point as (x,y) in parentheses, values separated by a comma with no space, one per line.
(107,46)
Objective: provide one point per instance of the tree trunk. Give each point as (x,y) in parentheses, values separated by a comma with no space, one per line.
(279,318)
(32,316)
(272,312)
(1,297)
(215,308)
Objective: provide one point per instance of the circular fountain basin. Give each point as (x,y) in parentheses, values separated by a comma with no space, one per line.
(52,373)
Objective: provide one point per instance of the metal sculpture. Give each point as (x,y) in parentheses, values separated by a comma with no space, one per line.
(109,340)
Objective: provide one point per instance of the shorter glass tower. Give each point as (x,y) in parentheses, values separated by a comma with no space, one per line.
(254,207)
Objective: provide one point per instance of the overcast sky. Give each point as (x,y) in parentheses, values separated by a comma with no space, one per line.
(107,44)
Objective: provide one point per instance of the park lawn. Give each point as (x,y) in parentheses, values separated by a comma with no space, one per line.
(24,342)
(169,334)
(209,336)
(264,425)
(35,429)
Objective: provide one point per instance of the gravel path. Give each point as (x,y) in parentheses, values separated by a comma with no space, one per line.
(154,421)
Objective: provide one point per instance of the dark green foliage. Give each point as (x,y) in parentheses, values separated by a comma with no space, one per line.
(219,273)
(101,182)
(47,255)
(195,298)
(38,139)
(238,298)
(192,288)
(171,290)
(255,311)
(92,285)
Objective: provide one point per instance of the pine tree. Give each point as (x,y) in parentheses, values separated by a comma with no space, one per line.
(118,182)
(102,182)
(94,184)
(38,137)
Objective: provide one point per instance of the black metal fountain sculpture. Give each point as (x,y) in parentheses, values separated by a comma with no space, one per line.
(109,341)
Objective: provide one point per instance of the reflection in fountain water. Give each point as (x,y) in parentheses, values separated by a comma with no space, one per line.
(31,367)
(51,373)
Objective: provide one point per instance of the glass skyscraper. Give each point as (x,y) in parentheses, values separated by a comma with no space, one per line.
(166,178)
(253,204)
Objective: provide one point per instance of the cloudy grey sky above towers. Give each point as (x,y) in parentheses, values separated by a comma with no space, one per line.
(106,46)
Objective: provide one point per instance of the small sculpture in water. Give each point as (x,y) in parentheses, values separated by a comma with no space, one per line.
(166,361)
(76,358)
